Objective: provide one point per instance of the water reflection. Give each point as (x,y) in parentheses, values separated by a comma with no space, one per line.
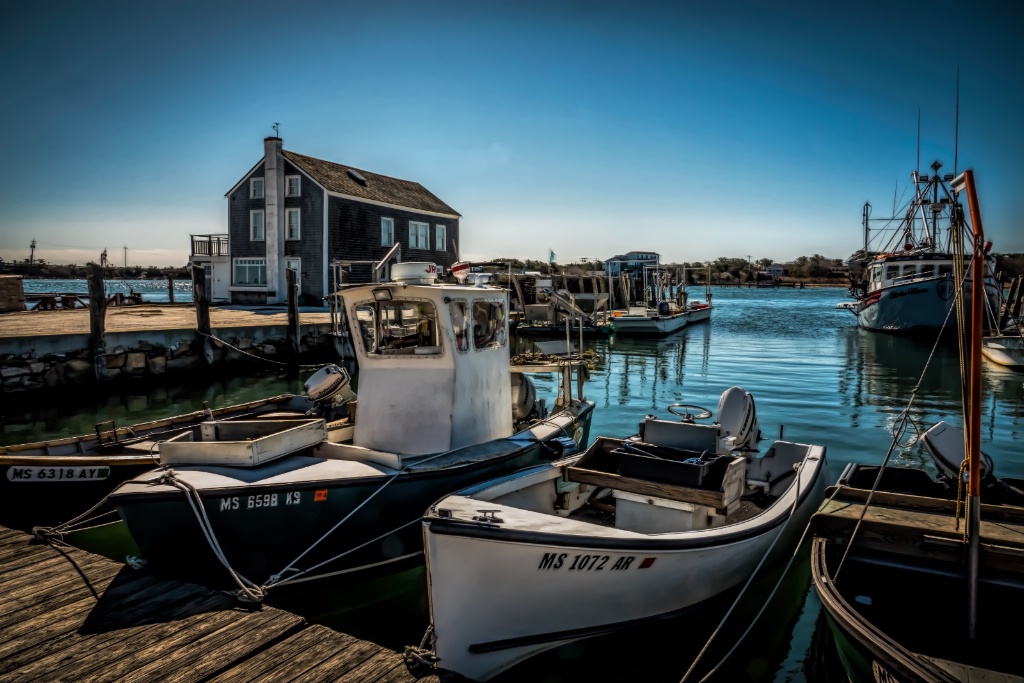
(814,376)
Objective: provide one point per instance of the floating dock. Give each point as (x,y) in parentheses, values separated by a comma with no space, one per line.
(66,614)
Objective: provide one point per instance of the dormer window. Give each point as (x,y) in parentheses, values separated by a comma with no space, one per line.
(256,188)
(293,187)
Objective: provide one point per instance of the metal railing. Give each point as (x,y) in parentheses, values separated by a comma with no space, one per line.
(210,245)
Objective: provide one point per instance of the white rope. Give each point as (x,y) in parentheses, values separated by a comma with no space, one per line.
(750,580)
(248,590)
(253,355)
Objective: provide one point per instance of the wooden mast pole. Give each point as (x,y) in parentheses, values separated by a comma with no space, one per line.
(974,400)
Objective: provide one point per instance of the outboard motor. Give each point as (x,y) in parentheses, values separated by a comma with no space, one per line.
(945,443)
(326,383)
(524,397)
(737,420)
(328,387)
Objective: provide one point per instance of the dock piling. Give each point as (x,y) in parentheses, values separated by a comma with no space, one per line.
(202,303)
(292,333)
(97,316)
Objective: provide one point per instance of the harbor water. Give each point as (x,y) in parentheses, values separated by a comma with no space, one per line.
(815,377)
(152,291)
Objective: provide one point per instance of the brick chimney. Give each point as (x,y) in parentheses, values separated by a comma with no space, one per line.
(273,192)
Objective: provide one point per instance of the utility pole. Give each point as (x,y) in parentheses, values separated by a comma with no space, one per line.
(126,257)
(32,253)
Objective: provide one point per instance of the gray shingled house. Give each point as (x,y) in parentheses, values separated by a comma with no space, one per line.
(292,211)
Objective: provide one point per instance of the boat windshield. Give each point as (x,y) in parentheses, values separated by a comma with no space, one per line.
(398,327)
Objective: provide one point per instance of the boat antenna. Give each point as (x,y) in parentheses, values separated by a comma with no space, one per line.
(956,131)
(918,141)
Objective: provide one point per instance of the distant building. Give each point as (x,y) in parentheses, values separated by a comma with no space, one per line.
(776,270)
(292,211)
(632,263)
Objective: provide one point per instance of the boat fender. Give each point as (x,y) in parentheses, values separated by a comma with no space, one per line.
(561,446)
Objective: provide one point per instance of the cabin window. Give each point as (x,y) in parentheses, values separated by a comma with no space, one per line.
(876,273)
(945,271)
(256,233)
(250,271)
(418,235)
(439,237)
(399,328)
(292,185)
(892,272)
(909,269)
(927,269)
(292,223)
(387,232)
(488,324)
(256,188)
(460,325)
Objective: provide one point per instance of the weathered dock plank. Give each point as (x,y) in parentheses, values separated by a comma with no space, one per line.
(146,317)
(69,615)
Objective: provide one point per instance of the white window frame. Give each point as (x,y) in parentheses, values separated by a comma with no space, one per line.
(419,235)
(440,237)
(387,231)
(248,261)
(262,226)
(288,185)
(253,184)
(288,213)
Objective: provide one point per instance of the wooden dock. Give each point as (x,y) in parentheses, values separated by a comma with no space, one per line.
(70,615)
(147,317)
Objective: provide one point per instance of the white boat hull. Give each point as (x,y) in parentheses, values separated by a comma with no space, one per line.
(503,592)
(696,315)
(650,325)
(1004,350)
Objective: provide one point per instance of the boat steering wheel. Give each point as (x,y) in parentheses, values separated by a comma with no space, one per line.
(689,412)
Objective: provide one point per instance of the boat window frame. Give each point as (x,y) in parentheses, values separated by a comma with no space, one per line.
(372,337)
(488,336)
(460,325)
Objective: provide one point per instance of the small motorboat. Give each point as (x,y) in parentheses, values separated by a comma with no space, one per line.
(648,526)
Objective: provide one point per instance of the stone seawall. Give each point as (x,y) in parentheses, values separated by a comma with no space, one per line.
(52,362)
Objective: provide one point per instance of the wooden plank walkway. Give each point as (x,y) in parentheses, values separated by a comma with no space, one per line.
(70,615)
(143,317)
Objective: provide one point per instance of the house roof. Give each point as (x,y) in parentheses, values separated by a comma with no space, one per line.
(631,256)
(378,188)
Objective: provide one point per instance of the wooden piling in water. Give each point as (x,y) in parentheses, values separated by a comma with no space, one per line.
(292,331)
(204,332)
(97,317)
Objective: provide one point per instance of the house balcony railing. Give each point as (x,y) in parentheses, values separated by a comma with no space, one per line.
(210,245)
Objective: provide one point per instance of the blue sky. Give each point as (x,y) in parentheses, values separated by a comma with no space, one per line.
(694,129)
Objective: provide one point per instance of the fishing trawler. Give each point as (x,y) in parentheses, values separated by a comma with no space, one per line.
(908,286)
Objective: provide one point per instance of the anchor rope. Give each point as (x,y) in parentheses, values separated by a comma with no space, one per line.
(749,581)
(248,590)
(900,426)
(253,355)
(56,533)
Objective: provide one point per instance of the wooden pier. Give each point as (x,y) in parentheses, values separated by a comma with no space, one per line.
(66,614)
